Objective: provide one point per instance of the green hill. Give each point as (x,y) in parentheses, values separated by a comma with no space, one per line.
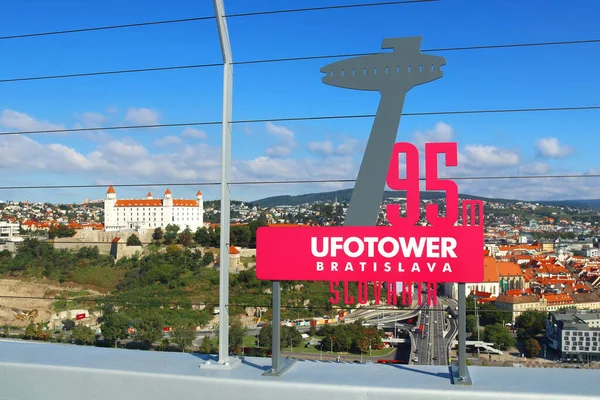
(345,195)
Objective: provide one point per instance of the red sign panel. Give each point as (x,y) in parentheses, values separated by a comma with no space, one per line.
(416,254)
(79,317)
(443,250)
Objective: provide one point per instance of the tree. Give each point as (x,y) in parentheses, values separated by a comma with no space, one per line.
(68,324)
(171,233)
(471,324)
(158,234)
(290,336)
(5,332)
(265,336)
(30,331)
(185,237)
(148,329)
(499,335)
(206,346)
(202,237)
(164,345)
(83,334)
(39,330)
(114,325)
(208,258)
(313,330)
(184,336)
(530,324)
(237,331)
(532,347)
(133,240)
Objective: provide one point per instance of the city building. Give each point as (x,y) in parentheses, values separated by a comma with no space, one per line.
(575,334)
(498,277)
(8,230)
(593,252)
(150,213)
(517,305)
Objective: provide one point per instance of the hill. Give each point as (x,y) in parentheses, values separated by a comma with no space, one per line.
(346,194)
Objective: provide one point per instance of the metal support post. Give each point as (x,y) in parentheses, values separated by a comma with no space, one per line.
(224,360)
(278,365)
(460,374)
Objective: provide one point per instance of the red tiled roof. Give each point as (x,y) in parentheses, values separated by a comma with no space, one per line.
(233,250)
(138,203)
(168,191)
(111,190)
(185,203)
(558,298)
(490,272)
(509,269)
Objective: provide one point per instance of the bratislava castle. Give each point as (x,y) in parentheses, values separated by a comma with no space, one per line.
(150,213)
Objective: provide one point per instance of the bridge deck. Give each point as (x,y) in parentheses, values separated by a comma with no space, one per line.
(103,373)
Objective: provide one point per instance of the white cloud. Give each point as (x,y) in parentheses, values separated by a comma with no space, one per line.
(278,151)
(324,148)
(286,142)
(168,140)
(123,149)
(489,156)
(20,121)
(92,119)
(442,132)
(348,147)
(550,147)
(327,148)
(281,132)
(536,168)
(141,116)
(194,133)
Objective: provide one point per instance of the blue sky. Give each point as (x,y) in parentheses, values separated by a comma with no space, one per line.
(490,144)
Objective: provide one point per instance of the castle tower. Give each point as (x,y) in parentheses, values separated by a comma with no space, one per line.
(149,196)
(168,199)
(200,208)
(109,208)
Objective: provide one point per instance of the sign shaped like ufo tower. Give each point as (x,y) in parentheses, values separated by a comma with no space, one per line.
(392,74)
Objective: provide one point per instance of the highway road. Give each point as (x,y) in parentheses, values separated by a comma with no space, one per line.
(431,346)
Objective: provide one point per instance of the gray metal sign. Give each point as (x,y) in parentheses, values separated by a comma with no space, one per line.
(392,74)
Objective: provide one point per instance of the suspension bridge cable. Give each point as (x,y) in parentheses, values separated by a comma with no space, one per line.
(304,58)
(282,182)
(311,118)
(208,17)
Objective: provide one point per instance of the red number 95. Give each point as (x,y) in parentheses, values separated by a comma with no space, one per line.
(411,184)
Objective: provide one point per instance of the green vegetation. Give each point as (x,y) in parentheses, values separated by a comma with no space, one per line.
(353,338)
(471,324)
(60,231)
(530,324)
(206,346)
(289,336)
(133,240)
(499,335)
(488,313)
(531,347)
(83,335)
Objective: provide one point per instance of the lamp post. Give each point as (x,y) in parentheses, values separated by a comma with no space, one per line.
(370,346)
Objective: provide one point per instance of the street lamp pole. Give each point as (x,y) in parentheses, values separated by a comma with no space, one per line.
(370,347)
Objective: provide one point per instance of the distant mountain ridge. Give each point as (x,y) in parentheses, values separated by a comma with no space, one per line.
(345,195)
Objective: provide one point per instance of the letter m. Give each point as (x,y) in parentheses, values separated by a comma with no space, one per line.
(469,210)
